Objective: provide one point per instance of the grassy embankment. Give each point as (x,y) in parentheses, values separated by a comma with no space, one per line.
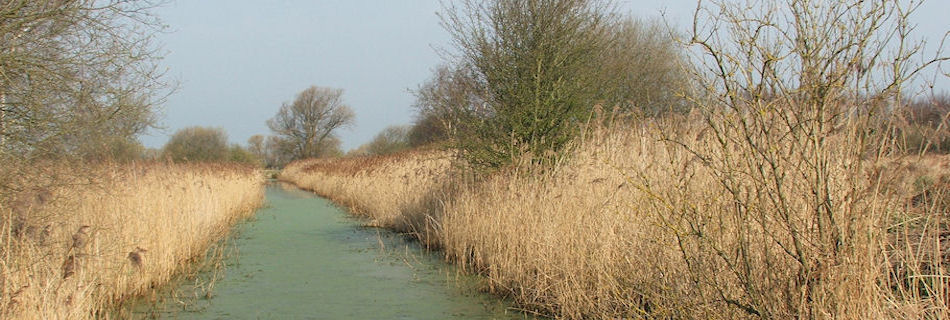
(638,226)
(80,248)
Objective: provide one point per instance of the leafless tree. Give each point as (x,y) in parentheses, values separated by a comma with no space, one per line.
(643,69)
(390,140)
(311,121)
(279,151)
(255,145)
(444,102)
(72,72)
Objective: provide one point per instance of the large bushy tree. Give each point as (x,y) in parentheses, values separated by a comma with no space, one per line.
(534,66)
(528,74)
(198,144)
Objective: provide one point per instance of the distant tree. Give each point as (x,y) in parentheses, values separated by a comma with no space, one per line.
(921,126)
(279,152)
(256,146)
(198,144)
(331,148)
(390,140)
(425,130)
(152,154)
(308,123)
(362,150)
(443,103)
(113,148)
(643,69)
(239,154)
(103,141)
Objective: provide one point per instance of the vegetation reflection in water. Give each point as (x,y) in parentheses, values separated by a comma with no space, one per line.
(302,258)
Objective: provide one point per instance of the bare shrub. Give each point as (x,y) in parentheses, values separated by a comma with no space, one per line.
(793,88)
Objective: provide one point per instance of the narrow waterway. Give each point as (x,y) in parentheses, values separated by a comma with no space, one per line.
(303,258)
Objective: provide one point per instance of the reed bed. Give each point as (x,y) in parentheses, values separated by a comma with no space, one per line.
(77,248)
(658,220)
(401,192)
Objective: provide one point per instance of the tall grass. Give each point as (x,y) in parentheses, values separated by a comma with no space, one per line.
(74,249)
(657,219)
(403,191)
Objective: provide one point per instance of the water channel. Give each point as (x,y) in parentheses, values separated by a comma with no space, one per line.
(303,258)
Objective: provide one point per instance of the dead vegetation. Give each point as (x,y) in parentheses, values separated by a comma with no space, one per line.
(635,225)
(74,248)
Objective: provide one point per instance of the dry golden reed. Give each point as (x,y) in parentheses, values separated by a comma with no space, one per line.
(76,250)
(389,190)
(654,220)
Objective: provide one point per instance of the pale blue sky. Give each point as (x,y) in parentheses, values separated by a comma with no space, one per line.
(237,61)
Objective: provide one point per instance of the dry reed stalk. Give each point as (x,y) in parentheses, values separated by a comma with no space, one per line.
(389,190)
(94,258)
(640,223)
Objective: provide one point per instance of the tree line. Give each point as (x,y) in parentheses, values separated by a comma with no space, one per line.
(524,76)
(527,76)
(80,80)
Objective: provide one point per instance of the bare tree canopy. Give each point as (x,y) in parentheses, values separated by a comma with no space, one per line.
(256,145)
(391,140)
(73,72)
(643,69)
(443,102)
(309,123)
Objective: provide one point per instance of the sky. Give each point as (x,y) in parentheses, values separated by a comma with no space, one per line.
(236,62)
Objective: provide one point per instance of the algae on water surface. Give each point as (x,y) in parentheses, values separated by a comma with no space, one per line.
(303,258)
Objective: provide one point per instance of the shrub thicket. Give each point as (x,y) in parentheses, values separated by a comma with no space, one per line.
(923,125)
(534,68)
(530,73)
(198,144)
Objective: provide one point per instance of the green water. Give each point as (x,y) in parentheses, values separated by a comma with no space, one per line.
(303,258)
